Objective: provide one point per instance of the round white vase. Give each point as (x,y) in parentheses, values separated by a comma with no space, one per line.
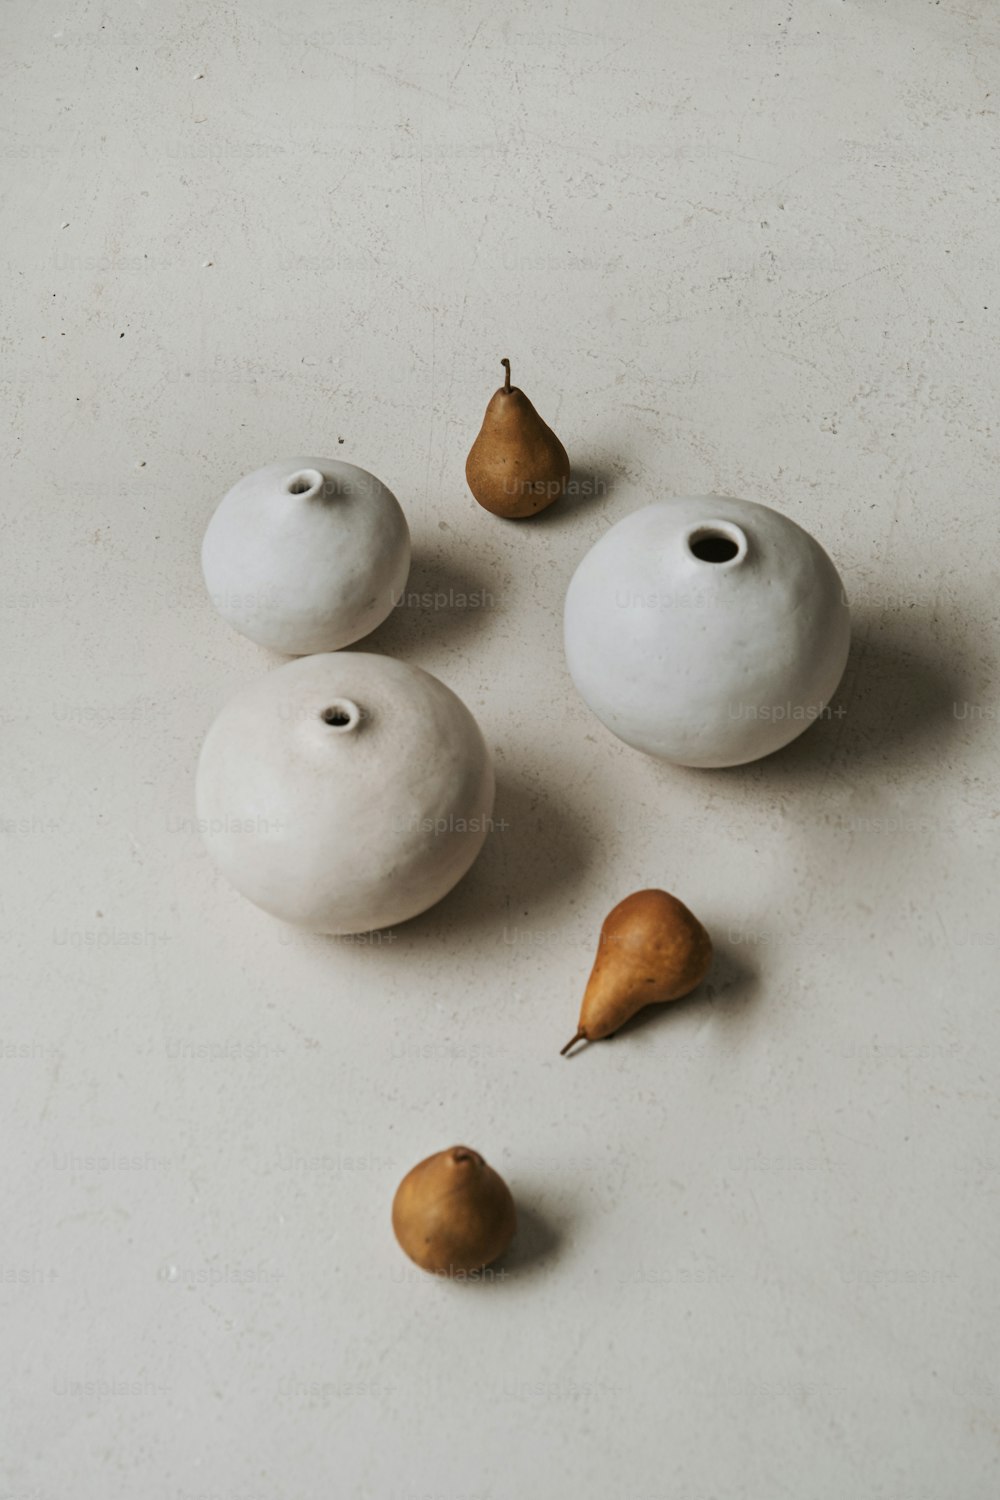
(706,631)
(345,792)
(306,555)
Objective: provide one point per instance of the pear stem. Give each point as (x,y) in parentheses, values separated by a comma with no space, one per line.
(506,384)
(580,1037)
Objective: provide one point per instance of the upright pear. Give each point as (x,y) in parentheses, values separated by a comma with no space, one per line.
(517,466)
(651,949)
(453,1214)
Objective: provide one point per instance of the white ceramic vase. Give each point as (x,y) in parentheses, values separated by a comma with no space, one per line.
(345,792)
(306,555)
(706,631)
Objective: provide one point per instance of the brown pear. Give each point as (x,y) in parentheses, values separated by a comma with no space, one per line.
(651,949)
(453,1214)
(517,466)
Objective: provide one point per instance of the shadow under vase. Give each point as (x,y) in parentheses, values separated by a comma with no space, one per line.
(439,603)
(534,854)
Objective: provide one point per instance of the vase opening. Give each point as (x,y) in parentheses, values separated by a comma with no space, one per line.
(717,542)
(305,482)
(341,715)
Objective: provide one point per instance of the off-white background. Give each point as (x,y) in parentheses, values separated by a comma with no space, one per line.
(747,247)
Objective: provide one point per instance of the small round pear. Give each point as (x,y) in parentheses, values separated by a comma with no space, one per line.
(651,949)
(517,466)
(453,1214)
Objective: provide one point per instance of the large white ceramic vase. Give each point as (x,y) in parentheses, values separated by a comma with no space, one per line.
(345,792)
(707,631)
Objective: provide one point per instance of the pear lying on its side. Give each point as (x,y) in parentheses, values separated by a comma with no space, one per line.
(651,949)
(517,466)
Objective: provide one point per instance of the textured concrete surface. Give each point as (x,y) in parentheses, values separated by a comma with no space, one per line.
(743,247)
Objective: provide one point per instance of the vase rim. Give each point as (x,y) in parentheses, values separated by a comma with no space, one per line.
(721,545)
(341,715)
(304,484)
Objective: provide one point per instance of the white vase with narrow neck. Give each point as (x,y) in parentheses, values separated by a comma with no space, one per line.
(707,631)
(345,792)
(306,555)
